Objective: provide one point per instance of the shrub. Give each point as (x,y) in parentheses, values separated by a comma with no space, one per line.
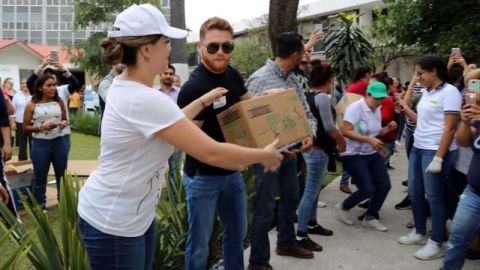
(85,123)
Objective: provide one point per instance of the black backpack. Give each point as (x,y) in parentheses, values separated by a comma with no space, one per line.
(322,138)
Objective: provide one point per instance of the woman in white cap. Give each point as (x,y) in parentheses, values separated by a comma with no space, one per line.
(140,129)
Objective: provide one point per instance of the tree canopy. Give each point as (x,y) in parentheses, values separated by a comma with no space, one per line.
(436,26)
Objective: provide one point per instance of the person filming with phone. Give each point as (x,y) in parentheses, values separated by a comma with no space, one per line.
(52,65)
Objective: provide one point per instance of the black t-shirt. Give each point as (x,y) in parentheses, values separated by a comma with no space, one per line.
(200,82)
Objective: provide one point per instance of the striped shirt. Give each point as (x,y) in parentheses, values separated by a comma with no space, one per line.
(416,96)
(272,76)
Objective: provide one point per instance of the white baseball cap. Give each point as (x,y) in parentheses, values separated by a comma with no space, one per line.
(143,20)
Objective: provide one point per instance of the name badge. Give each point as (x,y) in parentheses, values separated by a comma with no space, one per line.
(220,102)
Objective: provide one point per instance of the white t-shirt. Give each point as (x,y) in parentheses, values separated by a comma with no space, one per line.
(431,111)
(365,122)
(19,103)
(120,197)
(64,94)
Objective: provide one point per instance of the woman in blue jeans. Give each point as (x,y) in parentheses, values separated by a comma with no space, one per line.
(326,139)
(433,154)
(45,116)
(466,222)
(362,124)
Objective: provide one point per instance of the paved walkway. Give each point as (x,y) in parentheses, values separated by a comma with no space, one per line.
(357,247)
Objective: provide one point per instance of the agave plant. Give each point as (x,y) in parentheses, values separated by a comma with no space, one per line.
(47,251)
(347,47)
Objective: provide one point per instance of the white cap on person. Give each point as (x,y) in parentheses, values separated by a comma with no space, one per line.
(143,20)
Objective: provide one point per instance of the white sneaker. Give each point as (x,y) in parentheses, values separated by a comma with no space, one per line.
(398,144)
(413,238)
(375,223)
(321,204)
(344,214)
(430,251)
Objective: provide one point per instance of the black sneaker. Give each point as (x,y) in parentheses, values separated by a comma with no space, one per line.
(405,183)
(308,243)
(472,254)
(404,204)
(318,229)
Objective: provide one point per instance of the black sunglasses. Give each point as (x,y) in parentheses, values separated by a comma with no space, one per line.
(227,47)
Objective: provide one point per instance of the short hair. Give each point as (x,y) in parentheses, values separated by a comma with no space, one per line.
(383,78)
(360,72)
(172,68)
(215,23)
(431,62)
(320,74)
(288,43)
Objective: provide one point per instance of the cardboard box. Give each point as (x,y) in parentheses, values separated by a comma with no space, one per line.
(258,122)
(19,174)
(341,107)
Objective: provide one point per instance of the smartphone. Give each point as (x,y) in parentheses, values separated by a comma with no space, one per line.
(471,98)
(54,56)
(318,26)
(456,51)
(474,85)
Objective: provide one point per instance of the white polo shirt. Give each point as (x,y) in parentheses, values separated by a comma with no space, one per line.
(431,112)
(365,122)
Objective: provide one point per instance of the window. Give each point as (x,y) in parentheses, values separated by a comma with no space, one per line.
(8,9)
(66,10)
(52,34)
(36,34)
(5,25)
(66,17)
(8,34)
(79,34)
(22,34)
(22,9)
(65,34)
(36,41)
(52,41)
(36,10)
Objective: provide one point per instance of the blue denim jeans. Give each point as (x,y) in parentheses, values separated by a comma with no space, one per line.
(372,181)
(106,251)
(207,195)
(345,177)
(428,189)
(317,162)
(408,141)
(283,182)
(465,226)
(45,152)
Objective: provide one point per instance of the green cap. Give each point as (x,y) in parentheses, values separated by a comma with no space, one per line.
(377,90)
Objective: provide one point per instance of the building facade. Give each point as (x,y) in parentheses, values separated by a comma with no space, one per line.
(46,22)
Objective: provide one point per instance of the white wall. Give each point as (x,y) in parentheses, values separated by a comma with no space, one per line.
(16,55)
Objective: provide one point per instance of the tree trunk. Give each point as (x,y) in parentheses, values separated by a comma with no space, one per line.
(282,17)
(177,19)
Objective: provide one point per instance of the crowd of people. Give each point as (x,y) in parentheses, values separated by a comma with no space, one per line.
(145,130)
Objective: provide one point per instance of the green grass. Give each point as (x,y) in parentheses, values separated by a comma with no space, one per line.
(83,147)
(331,176)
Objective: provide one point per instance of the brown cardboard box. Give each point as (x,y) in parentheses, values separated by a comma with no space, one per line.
(19,174)
(257,122)
(341,107)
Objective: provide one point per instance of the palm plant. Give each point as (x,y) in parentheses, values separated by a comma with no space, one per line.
(347,47)
(47,251)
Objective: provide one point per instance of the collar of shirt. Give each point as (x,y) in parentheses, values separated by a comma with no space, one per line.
(172,89)
(438,88)
(278,70)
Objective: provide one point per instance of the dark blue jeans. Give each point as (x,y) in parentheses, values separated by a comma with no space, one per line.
(317,161)
(45,152)
(207,195)
(283,182)
(109,252)
(372,179)
(465,226)
(428,190)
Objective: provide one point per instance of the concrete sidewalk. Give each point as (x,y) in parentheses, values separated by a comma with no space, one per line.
(357,247)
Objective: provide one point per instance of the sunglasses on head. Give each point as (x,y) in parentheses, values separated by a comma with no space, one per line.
(227,47)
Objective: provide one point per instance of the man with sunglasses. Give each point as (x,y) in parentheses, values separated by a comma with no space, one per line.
(211,189)
(278,73)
